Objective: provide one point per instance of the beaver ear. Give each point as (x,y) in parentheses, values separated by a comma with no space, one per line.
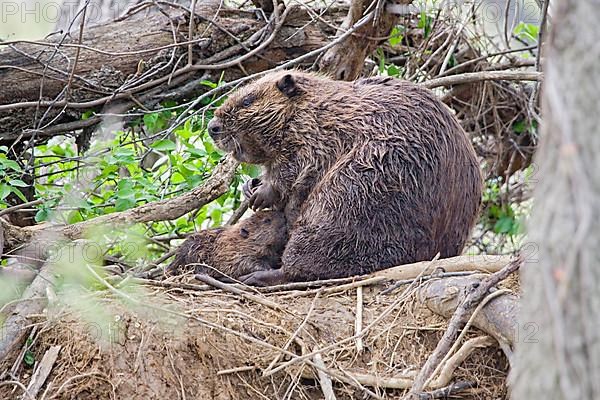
(244,233)
(287,85)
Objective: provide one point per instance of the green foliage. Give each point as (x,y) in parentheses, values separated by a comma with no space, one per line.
(118,178)
(29,357)
(500,216)
(527,32)
(425,23)
(523,126)
(396,35)
(10,174)
(386,69)
(150,161)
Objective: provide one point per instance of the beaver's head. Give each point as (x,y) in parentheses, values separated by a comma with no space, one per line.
(251,124)
(266,229)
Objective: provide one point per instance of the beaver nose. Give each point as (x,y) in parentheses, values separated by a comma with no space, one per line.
(215,127)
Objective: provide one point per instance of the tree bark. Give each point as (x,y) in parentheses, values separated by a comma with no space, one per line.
(346,61)
(558,355)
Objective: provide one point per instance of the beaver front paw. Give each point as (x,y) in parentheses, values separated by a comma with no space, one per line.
(264,196)
(250,186)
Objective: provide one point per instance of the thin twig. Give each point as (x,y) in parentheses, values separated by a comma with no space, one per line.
(359,319)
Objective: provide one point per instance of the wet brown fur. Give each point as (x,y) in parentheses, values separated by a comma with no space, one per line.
(253,244)
(371,174)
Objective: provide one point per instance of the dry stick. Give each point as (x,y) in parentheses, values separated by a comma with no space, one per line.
(295,334)
(172,285)
(341,288)
(407,273)
(13,329)
(237,214)
(20,385)
(363,21)
(473,77)
(462,334)
(403,282)
(382,315)
(77,51)
(453,362)
(397,284)
(359,319)
(232,289)
(307,285)
(449,71)
(192,27)
(193,104)
(24,205)
(405,381)
(43,370)
(236,370)
(445,393)
(152,273)
(456,323)
(324,379)
(104,52)
(31,339)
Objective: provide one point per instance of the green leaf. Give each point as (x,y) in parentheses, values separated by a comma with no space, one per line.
(393,70)
(10,164)
(87,115)
(396,35)
(42,215)
(504,225)
(381,60)
(164,145)
(73,217)
(124,155)
(425,22)
(19,194)
(177,178)
(251,170)
(4,191)
(519,126)
(29,358)
(527,32)
(124,203)
(210,84)
(151,120)
(58,150)
(17,182)
(195,180)
(196,153)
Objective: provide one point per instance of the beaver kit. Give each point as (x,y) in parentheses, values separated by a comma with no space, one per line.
(253,244)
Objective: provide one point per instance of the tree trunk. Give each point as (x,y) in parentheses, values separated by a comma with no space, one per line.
(558,354)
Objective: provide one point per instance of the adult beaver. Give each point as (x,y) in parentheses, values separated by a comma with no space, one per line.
(253,244)
(370,174)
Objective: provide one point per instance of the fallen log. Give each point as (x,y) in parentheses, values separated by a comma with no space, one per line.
(131,64)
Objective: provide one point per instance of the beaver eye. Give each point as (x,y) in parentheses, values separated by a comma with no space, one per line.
(247,101)
(268,221)
(244,233)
